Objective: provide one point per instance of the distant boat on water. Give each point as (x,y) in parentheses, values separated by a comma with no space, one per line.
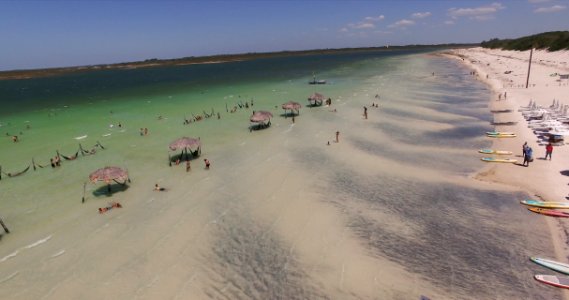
(314,81)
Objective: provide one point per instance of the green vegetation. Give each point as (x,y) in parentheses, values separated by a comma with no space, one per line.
(551,41)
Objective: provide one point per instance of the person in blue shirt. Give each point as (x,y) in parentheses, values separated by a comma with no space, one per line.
(528,156)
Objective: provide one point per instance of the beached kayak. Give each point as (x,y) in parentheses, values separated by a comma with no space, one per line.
(545,204)
(551,264)
(500,133)
(562,282)
(549,212)
(500,160)
(492,151)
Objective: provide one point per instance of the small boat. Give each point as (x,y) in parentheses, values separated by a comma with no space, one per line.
(492,151)
(314,81)
(317,82)
(549,212)
(551,264)
(557,281)
(499,160)
(545,204)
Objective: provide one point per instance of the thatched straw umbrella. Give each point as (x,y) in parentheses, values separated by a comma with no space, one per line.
(292,106)
(108,174)
(261,118)
(186,143)
(316,99)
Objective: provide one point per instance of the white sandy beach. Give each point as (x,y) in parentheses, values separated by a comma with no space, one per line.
(543,178)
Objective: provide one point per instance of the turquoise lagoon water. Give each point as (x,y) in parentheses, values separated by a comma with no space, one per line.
(466,242)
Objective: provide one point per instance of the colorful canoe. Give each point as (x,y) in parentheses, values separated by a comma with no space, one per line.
(551,264)
(557,281)
(492,151)
(500,160)
(500,133)
(549,212)
(545,204)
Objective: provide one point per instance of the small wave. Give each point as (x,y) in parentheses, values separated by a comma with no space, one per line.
(58,253)
(107,134)
(9,277)
(38,243)
(7,257)
(80,137)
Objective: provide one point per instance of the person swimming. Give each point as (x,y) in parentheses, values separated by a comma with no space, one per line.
(158,188)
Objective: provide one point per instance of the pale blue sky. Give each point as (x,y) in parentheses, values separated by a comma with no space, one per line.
(39,34)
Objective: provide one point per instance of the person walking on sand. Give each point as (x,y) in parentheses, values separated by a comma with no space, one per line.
(548,150)
(337,136)
(206,161)
(528,156)
(525,145)
(365,112)
(188,167)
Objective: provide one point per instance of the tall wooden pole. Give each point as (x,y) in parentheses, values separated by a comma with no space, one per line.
(529,66)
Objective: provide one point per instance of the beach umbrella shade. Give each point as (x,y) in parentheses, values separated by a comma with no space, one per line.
(261,116)
(185,143)
(291,105)
(316,97)
(108,174)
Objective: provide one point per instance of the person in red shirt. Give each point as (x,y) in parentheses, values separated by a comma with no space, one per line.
(548,151)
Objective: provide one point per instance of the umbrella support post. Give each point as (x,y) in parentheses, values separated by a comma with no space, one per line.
(83,199)
(4,226)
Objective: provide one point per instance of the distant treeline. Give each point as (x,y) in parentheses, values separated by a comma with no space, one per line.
(154,62)
(552,41)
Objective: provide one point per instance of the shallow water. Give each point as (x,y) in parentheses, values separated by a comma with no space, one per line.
(387,213)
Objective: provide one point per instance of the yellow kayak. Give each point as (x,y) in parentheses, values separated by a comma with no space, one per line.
(501,135)
(545,204)
(500,160)
(492,151)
